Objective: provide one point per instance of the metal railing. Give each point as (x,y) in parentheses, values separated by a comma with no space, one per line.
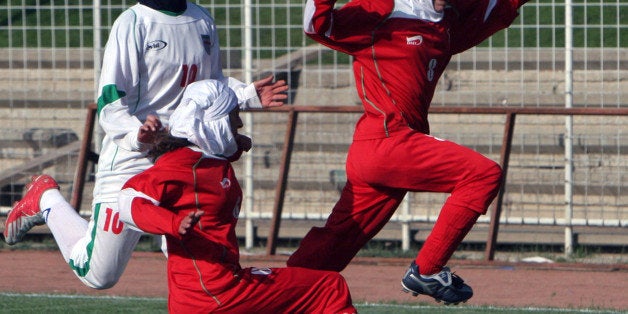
(86,155)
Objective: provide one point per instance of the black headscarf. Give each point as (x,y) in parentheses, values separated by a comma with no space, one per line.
(176,6)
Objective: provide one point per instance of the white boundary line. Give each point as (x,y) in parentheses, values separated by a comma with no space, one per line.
(78,296)
(467,308)
(365,304)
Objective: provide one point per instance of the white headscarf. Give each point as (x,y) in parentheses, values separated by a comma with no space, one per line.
(416,9)
(202,117)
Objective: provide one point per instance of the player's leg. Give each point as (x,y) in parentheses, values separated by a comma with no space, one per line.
(97,251)
(431,164)
(427,273)
(287,290)
(357,217)
(43,203)
(101,255)
(65,224)
(419,162)
(97,255)
(363,210)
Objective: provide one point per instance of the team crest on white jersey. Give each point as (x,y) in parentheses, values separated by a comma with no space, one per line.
(207,43)
(414,40)
(156,45)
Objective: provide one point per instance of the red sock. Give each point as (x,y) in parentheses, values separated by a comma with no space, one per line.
(452,225)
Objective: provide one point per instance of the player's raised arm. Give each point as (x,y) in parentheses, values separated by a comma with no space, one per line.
(479,19)
(347,28)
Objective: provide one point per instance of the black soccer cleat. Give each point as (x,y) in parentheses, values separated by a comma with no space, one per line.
(443,286)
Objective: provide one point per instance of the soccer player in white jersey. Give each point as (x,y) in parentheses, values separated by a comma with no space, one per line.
(155,49)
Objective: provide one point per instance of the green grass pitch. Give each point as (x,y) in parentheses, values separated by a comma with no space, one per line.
(55,303)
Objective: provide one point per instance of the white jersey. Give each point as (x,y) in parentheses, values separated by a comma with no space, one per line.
(149,59)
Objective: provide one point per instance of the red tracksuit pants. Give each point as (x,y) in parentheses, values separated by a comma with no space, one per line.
(379,173)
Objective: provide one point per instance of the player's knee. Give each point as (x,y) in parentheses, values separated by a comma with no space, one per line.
(493,175)
(489,179)
(102,285)
(99,283)
(479,189)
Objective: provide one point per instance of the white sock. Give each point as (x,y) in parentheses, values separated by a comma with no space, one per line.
(66,225)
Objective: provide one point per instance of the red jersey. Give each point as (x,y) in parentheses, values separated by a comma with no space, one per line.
(204,274)
(398,58)
(209,255)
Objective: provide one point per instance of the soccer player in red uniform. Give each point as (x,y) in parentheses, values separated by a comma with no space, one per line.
(400,48)
(192,195)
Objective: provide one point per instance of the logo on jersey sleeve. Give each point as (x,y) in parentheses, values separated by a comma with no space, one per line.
(414,40)
(207,43)
(156,45)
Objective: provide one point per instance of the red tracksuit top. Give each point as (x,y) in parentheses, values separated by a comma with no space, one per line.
(397,62)
(192,183)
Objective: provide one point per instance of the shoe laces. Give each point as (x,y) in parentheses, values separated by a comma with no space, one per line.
(448,278)
(456,281)
(444,277)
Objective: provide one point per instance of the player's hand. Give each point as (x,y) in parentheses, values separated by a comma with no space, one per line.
(271,94)
(149,130)
(189,221)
